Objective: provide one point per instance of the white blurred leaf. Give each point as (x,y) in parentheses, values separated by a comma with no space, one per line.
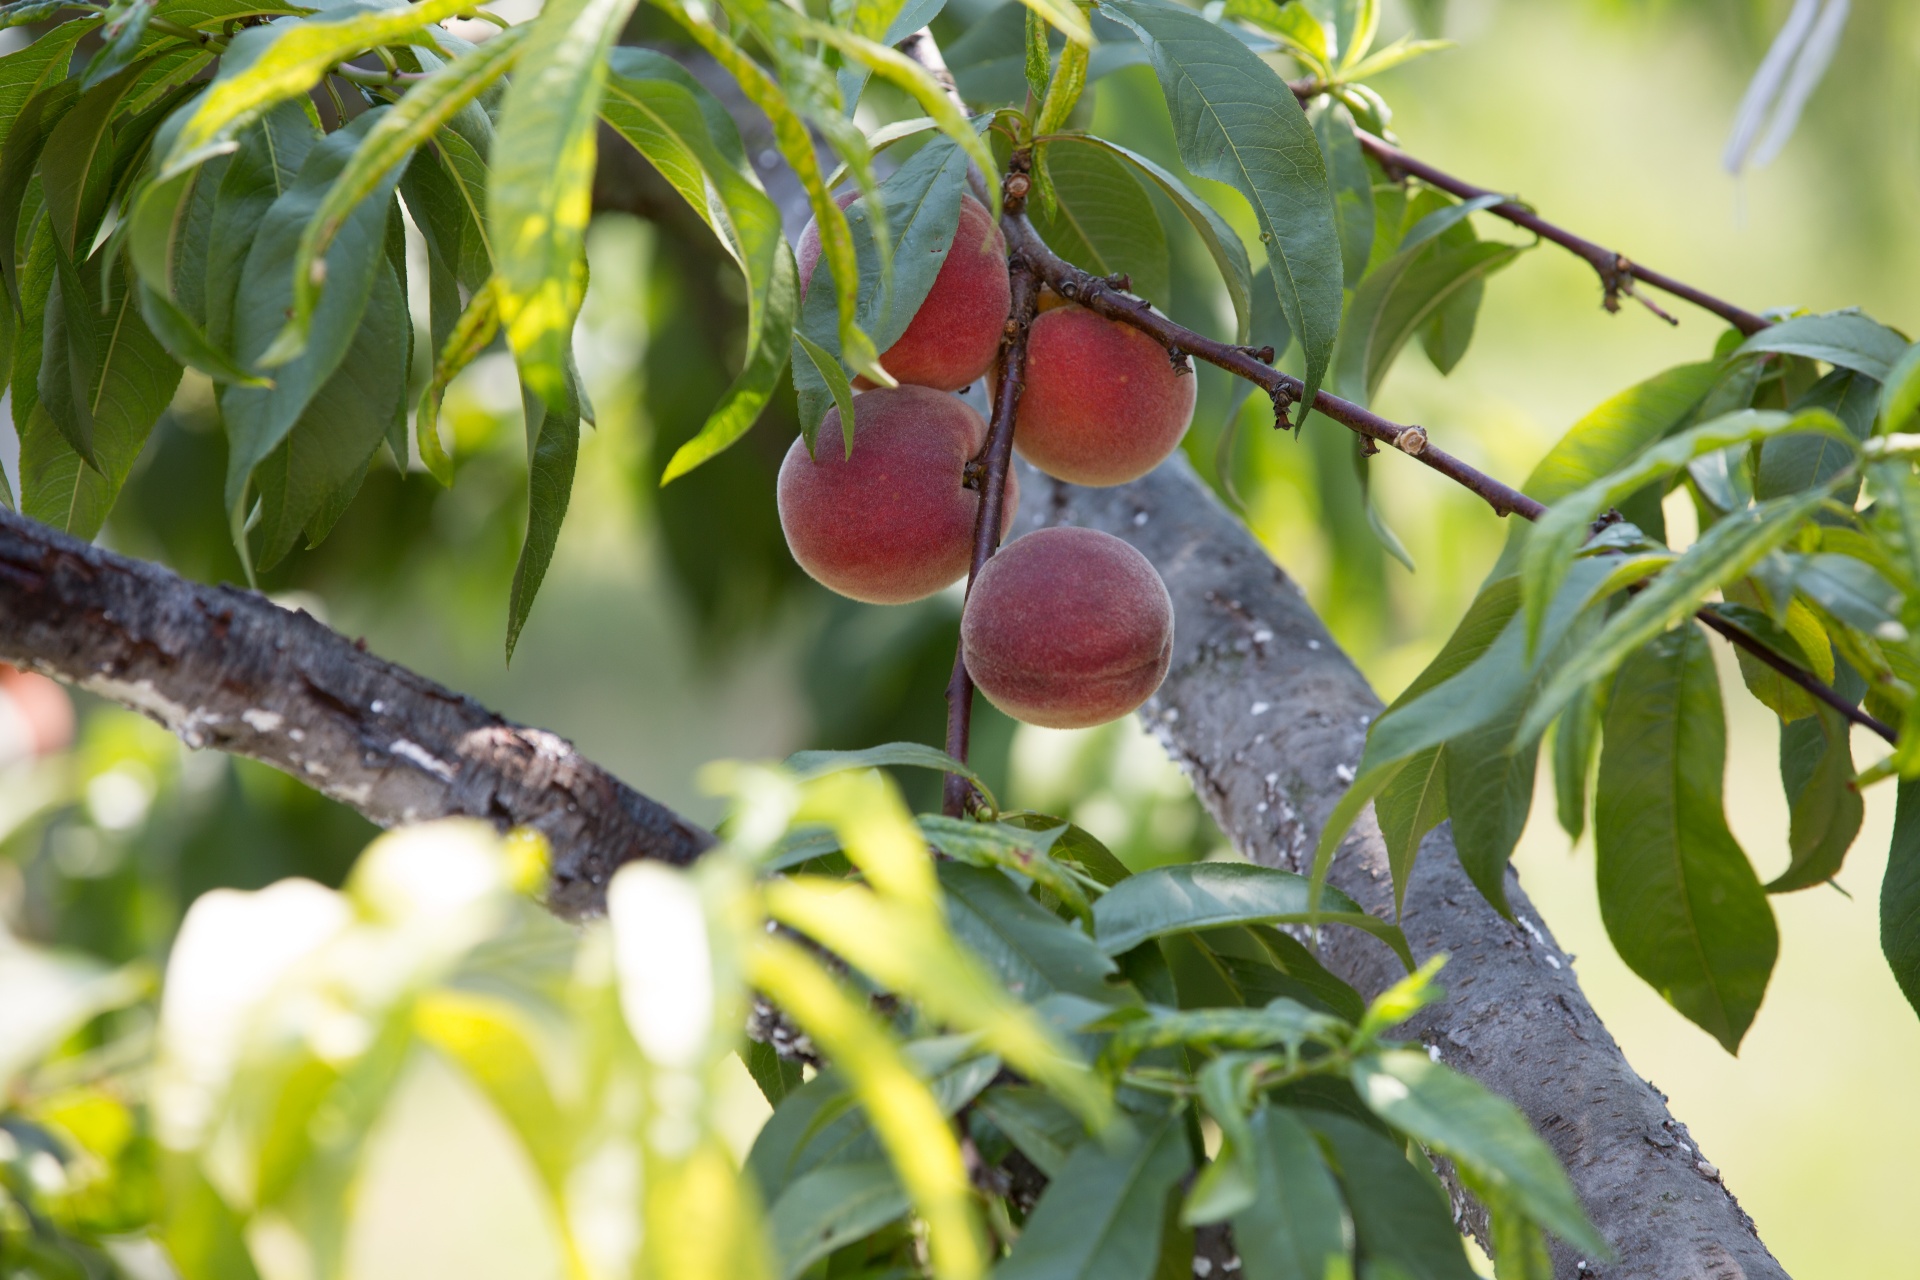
(1786,78)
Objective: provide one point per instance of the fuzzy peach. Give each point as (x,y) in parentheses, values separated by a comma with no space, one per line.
(956,333)
(1102,402)
(1066,628)
(894,522)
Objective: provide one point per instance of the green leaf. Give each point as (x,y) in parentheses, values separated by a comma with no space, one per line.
(1237,122)
(1576,742)
(994,845)
(20,160)
(687,135)
(1791,463)
(23,110)
(267,65)
(488,1041)
(1489,794)
(1551,544)
(1848,339)
(1204,895)
(1900,896)
(266,165)
(921,209)
(1456,1117)
(539,192)
(1352,184)
(128,384)
(1045,1131)
(70,357)
(1412,804)
(1103,1216)
(472,333)
(1282,1022)
(122,35)
(311,475)
(779,1078)
(1221,241)
(1064,16)
(830,1207)
(1723,554)
(1852,591)
(1297,1229)
(1034,952)
(1403,293)
(427,107)
(1300,32)
(553,450)
(76,169)
(259,418)
(1401,1218)
(1816,766)
(1679,899)
(907,755)
(1801,642)
(1103,221)
(1900,396)
(1615,431)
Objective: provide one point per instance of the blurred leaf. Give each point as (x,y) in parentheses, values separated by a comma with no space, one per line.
(1679,899)
(427,106)
(1034,952)
(268,64)
(1065,17)
(1298,1228)
(1203,895)
(553,450)
(472,333)
(1575,744)
(830,1207)
(1846,338)
(1044,1131)
(313,472)
(1900,896)
(688,136)
(1816,766)
(921,207)
(1401,51)
(908,755)
(484,1038)
(1400,295)
(995,845)
(1900,397)
(257,419)
(1791,463)
(1237,122)
(50,995)
(1457,1117)
(1552,542)
(779,1078)
(1615,431)
(1103,221)
(1299,31)
(1221,241)
(1103,1215)
(1401,1219)
(538,193)
(126,384)
(1352,184)
(918,1141)
(1281,1022)
(1801,642)
(1852,591)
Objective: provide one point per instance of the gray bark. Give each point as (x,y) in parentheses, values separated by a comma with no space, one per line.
(232,670)
(1268,718)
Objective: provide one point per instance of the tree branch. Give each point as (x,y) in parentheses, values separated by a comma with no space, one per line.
(996,464)
(1268,717)
(231,670)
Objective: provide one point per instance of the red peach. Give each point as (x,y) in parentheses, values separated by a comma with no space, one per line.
(955,335)
(1103,404)
(894,522)
(1066,628)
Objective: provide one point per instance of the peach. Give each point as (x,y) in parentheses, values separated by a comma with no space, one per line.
(1066,628)
(894,522)
(956,333)
(1103,404)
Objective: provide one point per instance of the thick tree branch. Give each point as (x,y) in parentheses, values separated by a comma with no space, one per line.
(1269,717)
(231,670)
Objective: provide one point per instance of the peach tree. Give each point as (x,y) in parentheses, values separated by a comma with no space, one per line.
(987,1044)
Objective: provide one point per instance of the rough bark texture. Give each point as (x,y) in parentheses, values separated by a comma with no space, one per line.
(232,670)
(1268,717)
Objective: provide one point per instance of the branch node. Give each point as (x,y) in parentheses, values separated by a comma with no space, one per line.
(1412,441)
(1368,446)
(1182,364)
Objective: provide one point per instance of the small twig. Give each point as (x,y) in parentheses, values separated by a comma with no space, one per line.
(1805,679)
(997,459)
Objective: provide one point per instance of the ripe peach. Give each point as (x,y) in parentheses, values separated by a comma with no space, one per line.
(1103,404)
(1066,628)
(955,334)
(895,521)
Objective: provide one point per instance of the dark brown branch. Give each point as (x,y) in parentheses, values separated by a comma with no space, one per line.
(997,461)
(1805,679)
(231,670)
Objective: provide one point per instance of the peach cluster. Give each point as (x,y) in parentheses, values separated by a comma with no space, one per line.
(1063,627)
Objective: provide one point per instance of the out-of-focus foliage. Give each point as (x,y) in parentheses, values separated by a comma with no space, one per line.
(1030,996)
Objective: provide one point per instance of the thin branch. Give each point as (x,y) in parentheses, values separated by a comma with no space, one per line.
(1805,679)
(996,464)
(231,670)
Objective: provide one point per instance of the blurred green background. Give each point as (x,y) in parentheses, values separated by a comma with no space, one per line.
(674,629)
